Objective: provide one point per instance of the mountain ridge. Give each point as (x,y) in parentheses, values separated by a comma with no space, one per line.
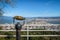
(8,19)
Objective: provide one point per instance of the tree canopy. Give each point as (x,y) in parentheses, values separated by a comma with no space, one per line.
(3,4)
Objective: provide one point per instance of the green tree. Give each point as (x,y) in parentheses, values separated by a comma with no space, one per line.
(0,27)
(9,37)
(4,3)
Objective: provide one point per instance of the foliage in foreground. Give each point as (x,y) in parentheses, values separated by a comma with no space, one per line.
(10,37)
(32,38)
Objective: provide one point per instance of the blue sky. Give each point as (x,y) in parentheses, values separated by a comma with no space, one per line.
(34,8)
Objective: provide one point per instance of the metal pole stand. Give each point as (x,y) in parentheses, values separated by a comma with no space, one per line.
(18,36)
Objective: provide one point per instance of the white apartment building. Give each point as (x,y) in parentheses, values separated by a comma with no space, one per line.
(41,25)
(37,24)
(7,26)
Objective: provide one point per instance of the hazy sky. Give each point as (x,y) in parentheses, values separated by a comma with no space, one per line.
(34,8)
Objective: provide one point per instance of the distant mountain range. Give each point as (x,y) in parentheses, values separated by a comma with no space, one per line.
(6,19)
(45,17)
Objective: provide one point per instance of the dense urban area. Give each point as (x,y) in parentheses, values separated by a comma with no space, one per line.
(33,24)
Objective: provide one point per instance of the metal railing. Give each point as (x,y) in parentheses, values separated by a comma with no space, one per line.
(31,35)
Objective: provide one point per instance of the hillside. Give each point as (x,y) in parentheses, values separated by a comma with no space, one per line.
(6,19)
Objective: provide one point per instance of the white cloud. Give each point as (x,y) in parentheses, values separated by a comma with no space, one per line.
(7,15)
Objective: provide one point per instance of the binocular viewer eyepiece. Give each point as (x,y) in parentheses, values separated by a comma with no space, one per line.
(18,26)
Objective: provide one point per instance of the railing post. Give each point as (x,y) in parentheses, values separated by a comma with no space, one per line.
(27,32)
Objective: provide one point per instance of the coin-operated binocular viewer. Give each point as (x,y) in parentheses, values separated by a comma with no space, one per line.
(18,26)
